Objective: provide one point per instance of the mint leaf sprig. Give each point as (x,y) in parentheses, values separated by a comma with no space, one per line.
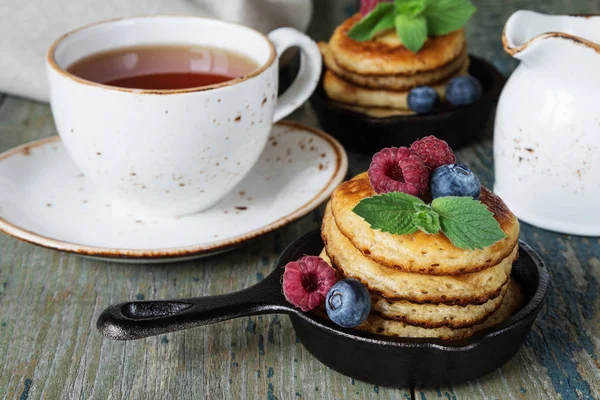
(466,222)
(414,20)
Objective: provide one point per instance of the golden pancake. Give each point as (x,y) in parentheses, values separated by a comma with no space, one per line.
(437,315)
(432,315)
(376,112)
(345,92)
(385,54)
(398,81)
(394,284)
(380,325)
(419,252)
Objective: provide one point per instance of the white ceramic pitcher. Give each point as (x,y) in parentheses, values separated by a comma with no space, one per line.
(547,130)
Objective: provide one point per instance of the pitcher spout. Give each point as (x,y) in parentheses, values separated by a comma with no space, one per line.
(530,36)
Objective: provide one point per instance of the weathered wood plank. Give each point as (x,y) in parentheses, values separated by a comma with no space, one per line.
(49,302)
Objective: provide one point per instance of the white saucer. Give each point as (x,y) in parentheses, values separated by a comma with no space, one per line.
(46,201)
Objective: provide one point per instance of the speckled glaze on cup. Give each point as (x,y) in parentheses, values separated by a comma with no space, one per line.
(173,152)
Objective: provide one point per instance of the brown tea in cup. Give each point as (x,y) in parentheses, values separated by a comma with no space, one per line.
(163,67)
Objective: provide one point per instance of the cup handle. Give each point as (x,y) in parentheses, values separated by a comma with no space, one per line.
(308,75)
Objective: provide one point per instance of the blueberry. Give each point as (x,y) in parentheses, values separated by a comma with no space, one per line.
(463,90)
(423,99)
(454,180)
(348,303)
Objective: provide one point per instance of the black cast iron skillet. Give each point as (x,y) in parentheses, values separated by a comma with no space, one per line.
(381,360)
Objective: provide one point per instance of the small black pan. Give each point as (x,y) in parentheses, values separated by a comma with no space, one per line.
(458,126)
(380,360)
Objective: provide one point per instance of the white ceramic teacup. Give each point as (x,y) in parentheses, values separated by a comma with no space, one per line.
(173,152)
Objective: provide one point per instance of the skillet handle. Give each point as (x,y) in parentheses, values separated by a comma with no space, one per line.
(140,319)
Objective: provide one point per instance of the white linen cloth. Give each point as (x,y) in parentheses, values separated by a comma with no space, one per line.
(28,27)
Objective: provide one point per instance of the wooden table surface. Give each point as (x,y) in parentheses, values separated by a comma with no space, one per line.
(49,301)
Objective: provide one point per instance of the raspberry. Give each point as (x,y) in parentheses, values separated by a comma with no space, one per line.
(396,169)
(307,281)
(366,6)
(434,152)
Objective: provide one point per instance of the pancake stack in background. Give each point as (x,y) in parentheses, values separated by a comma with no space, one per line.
(421,285)
(374,77)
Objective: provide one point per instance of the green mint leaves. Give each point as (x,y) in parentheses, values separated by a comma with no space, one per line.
(410,8)
(466,222)
(412,31)
(380,19)
(426,219)
(391,212)
(414,20)
(445,16)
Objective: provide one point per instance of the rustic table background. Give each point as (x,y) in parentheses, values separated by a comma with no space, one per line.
(49,302)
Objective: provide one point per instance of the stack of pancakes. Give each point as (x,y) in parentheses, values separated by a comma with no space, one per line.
(374,77)
(422,285)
